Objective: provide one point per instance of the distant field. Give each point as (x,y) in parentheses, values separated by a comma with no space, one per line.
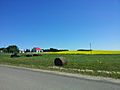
(86,52)
(107,64)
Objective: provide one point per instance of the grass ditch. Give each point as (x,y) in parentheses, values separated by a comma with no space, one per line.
(97,65)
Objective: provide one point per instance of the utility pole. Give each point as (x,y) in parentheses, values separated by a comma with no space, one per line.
(90,47)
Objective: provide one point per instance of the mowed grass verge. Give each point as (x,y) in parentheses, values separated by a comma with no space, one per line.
(97,65)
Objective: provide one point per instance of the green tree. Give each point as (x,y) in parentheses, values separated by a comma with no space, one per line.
(12,49)
(27,50)
(5,50)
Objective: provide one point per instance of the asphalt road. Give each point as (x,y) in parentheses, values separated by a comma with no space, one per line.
(21,79)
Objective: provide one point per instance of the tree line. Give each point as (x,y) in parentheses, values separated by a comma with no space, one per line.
(48,50)
(10,49)
(15,49)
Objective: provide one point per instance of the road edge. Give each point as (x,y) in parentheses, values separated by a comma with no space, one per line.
(78,76)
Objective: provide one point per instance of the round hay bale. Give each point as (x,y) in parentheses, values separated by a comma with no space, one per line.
(60,61)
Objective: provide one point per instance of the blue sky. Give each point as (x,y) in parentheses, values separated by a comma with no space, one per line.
(66,24)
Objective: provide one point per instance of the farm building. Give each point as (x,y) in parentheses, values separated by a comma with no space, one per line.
(37,50)
(1,51)
(21,51)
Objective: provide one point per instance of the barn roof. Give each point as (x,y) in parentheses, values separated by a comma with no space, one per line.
(37,48)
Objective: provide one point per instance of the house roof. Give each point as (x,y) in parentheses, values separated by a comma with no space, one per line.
(37,48)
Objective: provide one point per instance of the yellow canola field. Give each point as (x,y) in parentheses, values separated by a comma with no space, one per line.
(86,52)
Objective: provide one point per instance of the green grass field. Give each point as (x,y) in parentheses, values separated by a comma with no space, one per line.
(107,65)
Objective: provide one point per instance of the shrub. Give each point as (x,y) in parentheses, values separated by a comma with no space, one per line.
(28,55)
(14,55)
